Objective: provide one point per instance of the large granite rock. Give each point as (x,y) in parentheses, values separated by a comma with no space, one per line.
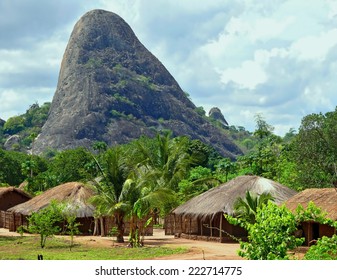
(112,89)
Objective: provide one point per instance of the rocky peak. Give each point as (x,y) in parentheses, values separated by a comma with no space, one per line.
(216,114)
(2,122)
(112,89)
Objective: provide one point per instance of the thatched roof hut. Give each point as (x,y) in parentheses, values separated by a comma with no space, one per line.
(223,197)
(208,208)
(75,194)
(11,196)
(324,198)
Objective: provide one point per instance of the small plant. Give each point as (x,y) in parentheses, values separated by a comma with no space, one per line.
(113,232)
(21,230)
(45,222)
(72,228)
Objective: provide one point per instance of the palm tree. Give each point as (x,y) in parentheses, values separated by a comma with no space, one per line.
(162,163)
(113,192)
(246,208)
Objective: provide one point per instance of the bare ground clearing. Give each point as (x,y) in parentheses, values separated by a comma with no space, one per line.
(197,250)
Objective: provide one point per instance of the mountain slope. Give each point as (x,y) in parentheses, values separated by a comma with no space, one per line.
(112,89)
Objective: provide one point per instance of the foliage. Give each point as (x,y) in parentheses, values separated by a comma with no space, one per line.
(162,163)
(324,249)
(100,146)
(225,167)
(45,222)
(14,125)
(204,155)
(271,236)
(113,193)
(200,179)
(11,172)
(200,110)
(246,209)
(27,125)
(313,213)
(71,226)
(73,165)
(315,150)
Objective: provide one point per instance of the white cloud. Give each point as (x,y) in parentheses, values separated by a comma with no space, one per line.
(248,75)
(314,47)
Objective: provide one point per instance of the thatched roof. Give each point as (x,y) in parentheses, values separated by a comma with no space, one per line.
(223,197)
(75,194)
(325,198)
(6,190)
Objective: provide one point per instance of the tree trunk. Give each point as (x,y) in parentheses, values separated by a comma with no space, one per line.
(120,228)
(95,227)
(102,226)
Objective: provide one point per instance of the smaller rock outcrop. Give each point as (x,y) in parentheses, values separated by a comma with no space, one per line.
(215,114)
(11,142)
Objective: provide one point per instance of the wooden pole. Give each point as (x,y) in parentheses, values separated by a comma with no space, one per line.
(309,236)
(174,224)
(221,217)
(201,226)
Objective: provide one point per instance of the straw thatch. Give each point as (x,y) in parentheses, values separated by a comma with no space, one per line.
(75,194)
(6,190)
(222,198)
(11,196)
(325,198)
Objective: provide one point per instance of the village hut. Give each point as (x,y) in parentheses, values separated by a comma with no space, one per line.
(202,217)
(324,198)
(74,194)
(9,197)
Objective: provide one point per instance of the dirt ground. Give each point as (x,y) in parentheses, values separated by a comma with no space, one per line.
(197,250)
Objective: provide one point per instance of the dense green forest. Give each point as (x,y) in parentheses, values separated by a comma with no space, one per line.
(185,167)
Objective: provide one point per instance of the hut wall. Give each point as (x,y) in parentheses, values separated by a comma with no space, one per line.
(204,229)
(2,218)
(9,221)
(169,224)
(326,230)
(87,225)
(191,226)
(14,220)
(238,231)
(312,231)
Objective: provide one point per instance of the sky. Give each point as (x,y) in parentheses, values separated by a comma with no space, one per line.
(276,58)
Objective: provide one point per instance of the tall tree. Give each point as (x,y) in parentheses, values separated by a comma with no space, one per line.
(162,163)
(113,192)
(315,150)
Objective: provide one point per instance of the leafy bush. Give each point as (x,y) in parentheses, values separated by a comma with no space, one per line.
(271,237)
(325,249)
(45,222)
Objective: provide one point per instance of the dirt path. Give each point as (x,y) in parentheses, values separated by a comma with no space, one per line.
(197,250)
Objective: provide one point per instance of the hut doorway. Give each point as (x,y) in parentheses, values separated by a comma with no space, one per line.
(315,231)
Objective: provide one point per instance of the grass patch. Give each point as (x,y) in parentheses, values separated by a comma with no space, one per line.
(27,248)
